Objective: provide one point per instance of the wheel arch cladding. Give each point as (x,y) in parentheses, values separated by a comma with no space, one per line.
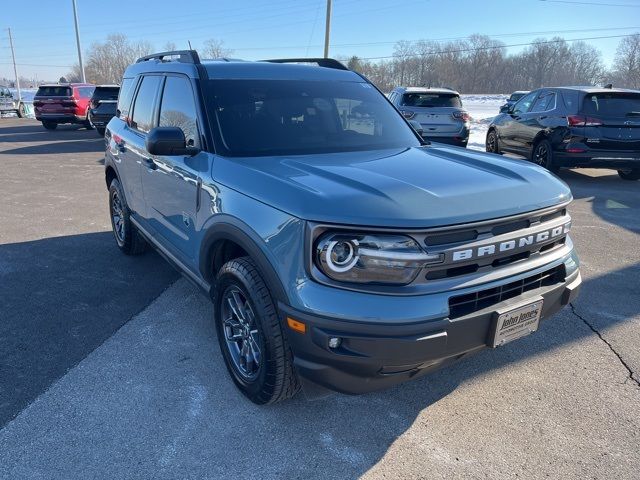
(229,238)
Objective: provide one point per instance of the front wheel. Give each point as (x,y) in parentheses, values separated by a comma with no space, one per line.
(630,174)
(129,240)
(492,142)
(542,155)
(100,131)
(253,344)
(21,111)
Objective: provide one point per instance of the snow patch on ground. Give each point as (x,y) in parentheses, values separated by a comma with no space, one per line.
(482,109)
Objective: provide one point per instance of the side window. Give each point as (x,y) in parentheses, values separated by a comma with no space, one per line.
(124,98)
(545,102)
(144,103)
(178,109)
(525,102)
(86,92)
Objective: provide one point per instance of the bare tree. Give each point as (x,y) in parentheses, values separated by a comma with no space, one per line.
(107,61)
(627,62)
(214,48)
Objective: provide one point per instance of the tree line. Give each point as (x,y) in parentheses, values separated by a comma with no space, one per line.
(477,64)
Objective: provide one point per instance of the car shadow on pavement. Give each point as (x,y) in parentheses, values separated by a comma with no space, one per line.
(62,297)
(87,140)
(612,199)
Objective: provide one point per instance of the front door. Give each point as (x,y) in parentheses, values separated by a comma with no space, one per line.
(171,184)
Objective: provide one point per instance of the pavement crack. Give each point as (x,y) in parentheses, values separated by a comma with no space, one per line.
(631,373)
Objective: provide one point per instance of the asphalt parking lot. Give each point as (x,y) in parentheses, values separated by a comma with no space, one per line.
(109,366)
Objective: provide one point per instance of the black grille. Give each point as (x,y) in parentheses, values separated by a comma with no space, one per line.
(461,305)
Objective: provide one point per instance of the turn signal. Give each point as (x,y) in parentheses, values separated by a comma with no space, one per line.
(296,325)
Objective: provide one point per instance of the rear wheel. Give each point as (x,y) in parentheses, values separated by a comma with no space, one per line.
(492,142)
(254,347)
(542,154)
(21,111)
(630,174)
(50,125)
(129,240)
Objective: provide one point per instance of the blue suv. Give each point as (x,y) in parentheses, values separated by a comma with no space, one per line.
(339,248)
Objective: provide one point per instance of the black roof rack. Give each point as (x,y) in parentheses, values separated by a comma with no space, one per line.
(184,56)
(322,62)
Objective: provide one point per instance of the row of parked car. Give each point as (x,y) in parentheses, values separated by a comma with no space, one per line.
(553,127)
(77,103)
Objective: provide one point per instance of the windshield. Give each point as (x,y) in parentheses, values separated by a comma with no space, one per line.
(279,117)
(611,104)
(431,100)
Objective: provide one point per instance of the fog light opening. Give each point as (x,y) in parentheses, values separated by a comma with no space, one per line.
(335,342)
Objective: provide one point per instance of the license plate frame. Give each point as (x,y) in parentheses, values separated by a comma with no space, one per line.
(512,323)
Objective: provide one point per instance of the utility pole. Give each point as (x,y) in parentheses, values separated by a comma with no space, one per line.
(75,19)
(327,29)
(15,69)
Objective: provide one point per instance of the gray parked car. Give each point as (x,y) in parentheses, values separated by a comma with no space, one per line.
(337,246)
(438,111)
(8,104)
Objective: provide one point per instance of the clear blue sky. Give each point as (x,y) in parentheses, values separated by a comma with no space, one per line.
(45,42)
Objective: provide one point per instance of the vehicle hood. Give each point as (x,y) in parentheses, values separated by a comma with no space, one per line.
(412,187)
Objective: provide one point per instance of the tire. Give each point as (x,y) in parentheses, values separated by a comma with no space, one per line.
(258,356)
(631,174)
(50,125)
(542,155)
(21,111)
(491,144)
(100,131)
(128,239)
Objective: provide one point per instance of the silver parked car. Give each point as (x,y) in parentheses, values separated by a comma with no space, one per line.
(438,111)
(10,105)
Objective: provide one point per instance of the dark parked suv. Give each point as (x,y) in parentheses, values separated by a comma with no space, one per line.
(337,246)
(573,127)
(102,106)
(63,103)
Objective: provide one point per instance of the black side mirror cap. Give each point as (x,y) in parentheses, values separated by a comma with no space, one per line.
(416,126)
(167,141)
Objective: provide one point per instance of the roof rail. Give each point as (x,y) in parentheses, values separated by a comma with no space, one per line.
(322,62)
(184,56)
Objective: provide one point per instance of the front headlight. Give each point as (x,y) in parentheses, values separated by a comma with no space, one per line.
(371,258)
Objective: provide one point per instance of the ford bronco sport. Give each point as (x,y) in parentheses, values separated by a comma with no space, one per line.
(337,246)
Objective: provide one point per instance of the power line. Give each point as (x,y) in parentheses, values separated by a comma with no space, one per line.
(497,47)
(599,4)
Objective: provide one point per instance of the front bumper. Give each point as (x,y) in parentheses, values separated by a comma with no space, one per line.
(376,354)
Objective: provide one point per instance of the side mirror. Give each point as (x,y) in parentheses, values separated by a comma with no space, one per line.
(505,108)
(168,141)
(416,126)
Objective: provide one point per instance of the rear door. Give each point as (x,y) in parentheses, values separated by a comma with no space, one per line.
(612,121)
(130,141)
(172,183)
(536,119)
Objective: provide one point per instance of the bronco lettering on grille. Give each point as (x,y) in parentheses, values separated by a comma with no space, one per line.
(515,244)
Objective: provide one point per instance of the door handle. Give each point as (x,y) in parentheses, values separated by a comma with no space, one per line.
(542,117)
(149,163)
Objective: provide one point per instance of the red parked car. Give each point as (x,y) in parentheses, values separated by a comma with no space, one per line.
(63,103)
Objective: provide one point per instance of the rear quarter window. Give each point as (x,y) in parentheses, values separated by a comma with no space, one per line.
(124,98)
